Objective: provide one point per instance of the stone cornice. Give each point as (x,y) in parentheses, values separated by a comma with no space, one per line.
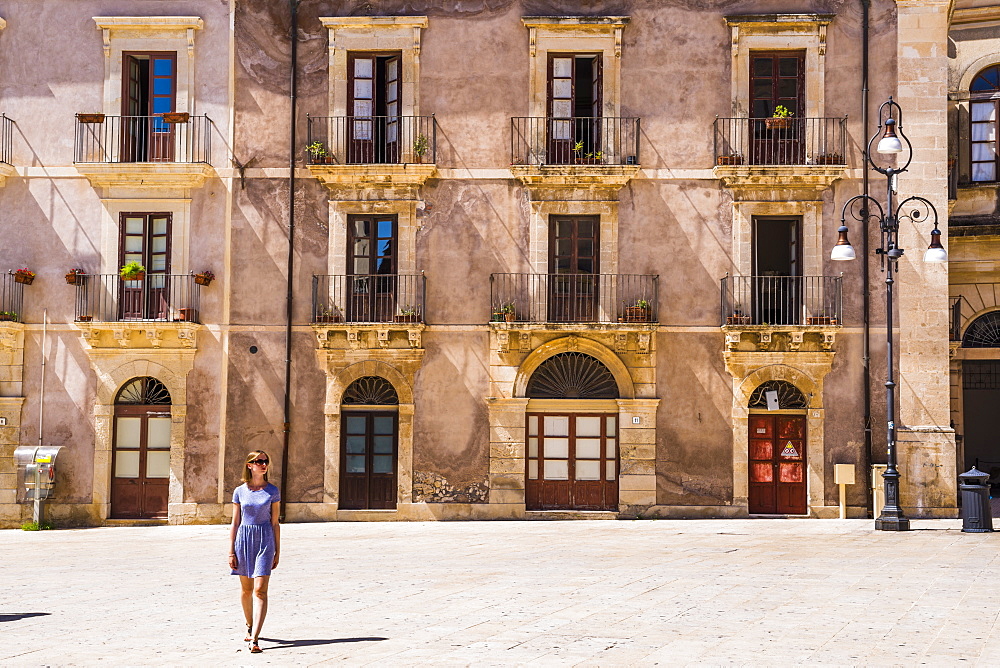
(11,335)
(410,175)
(5,171)
(392,337)
(760,182)
(146,174)
(779,19)
(593,23)
(541,178)
(334,22)
(139,335)
(149,23)
(967,18)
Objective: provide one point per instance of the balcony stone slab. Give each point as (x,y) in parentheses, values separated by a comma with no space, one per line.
(388,336)
(139,335)
(146,174)
(385,181)
(795,339)
(6,171)
(552,181)
(778,182)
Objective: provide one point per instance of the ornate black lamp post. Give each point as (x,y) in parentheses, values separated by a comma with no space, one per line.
(913,209)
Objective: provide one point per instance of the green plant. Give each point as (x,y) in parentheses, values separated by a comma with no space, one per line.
(420,145)
(578,148)
(35,526)
(507,307)
(408,310)
(130,270)
(642,303)
(317,149)
(781,111)
(8,315)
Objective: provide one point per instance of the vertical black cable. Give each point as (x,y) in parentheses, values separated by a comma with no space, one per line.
(293,6)
(865,279)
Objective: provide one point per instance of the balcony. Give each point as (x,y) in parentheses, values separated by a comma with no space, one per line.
(166,150)
(780,152)
(574,152)
(369,311)
(158,310)
(563,299)
(11,299)
(782,310)
(372,150)
(6,148)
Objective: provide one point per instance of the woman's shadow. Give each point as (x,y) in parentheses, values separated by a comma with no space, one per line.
(308,643)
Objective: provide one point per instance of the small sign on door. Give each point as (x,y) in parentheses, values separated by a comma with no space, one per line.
(772,400)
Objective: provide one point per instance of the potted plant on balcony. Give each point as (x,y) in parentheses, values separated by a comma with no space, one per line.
(25,276)
(420,147)
(132,271)
(737,318)
(73,276)
(637,312)
(578,152)
(821,320)
(204,278)
(84,318)
(729,159)
(504,312)
(596,158)
(8,316)
(326,314)
(176,117)
(829,159)
(780,119)
(407,314)
(90,118)
(320,156)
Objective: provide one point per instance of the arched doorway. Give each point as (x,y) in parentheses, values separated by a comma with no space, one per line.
(140,476)
(981,396)
(369,445)
(572,448)
(777,450)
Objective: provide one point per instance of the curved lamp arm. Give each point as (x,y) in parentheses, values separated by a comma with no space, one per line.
(861,208)
(891,126)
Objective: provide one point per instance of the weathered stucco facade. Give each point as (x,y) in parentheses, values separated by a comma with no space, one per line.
(457,201)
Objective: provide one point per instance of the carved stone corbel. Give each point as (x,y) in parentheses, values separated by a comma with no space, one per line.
(121,335)
(503,341)
(413,336)
(763,340)
(643,341)
(621,342)
(354,339)
(828,340)
(733,339)
(795,340)
(382,337)
(525,338)
(186,337)
(155,337)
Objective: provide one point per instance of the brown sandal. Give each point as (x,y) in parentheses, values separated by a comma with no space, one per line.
(255,648)
(249,636)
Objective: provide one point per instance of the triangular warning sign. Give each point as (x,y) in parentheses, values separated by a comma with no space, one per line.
(789,450)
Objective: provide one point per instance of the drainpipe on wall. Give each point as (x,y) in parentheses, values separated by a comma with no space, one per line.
(865,279)
(293,6)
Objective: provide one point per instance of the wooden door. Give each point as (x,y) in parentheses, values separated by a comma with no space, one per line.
(149,91)
(392,123)
(372,280)
(560,131)
(374,126)
(574,259)
(777,295)
(572,462)
(145,238)
(368,460)
(777,78)
(574,109)
(140,462)
(777,465)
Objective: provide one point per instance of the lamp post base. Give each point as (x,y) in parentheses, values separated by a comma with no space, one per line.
(884,523)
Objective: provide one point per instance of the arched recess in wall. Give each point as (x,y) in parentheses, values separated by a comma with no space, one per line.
(572,344)
(983,332)
(788,396)
(572,375)
(369,445)
(140,453)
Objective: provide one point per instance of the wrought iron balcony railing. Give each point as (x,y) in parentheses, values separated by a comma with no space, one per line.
(574,141)
(781,141)
(369,298)
(782,300)
(568,298)
(371,140)
(11,298)
(6,139)
(155,298)
(129,139)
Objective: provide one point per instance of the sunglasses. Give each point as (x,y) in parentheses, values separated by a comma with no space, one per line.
(261,462)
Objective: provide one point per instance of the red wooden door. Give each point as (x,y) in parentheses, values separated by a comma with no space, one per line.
(777,465)
(369,444)
(140,462)
(572,462)
(574,266)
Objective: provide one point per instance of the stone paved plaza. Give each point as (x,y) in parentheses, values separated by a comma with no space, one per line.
(747,592)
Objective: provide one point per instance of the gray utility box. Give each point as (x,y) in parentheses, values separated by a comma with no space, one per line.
(37,468)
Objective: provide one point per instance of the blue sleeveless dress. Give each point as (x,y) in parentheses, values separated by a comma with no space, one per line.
(255,536)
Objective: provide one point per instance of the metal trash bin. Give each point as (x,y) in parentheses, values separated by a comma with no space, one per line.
(977,516)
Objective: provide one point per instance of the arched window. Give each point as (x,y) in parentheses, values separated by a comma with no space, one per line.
(789,396)
(984,112)
(370,391)
(572,376)
(984,332)
(145,391)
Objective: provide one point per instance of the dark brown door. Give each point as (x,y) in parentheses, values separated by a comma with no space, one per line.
(374,108)
(574,109)
(145,238)
(574,255)
(777,281)
(572,462)
(777,458)
(140,462)
(372,281)
(369,444)
(777,78)
(149,91)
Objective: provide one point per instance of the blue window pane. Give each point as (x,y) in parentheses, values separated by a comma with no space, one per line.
(161,105)
(163,67)
(355,424)
(385,248)
(162,86)
(355,463)
(385,228)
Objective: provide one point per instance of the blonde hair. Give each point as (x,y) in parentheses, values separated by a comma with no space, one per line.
(246,466)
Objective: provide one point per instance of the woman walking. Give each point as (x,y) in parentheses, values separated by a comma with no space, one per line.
(254,541)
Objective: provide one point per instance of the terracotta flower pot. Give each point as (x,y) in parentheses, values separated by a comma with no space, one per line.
(25,279)
(90,118)
(778,123)
(202,279)
(176,117)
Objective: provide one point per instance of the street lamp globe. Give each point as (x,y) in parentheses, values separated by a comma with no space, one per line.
(936,253)
(890,142)
(843,250)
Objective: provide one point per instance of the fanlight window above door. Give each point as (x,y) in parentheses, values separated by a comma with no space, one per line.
(789,396)
(371,391)
(145,391)
(572,376)
(984,332)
